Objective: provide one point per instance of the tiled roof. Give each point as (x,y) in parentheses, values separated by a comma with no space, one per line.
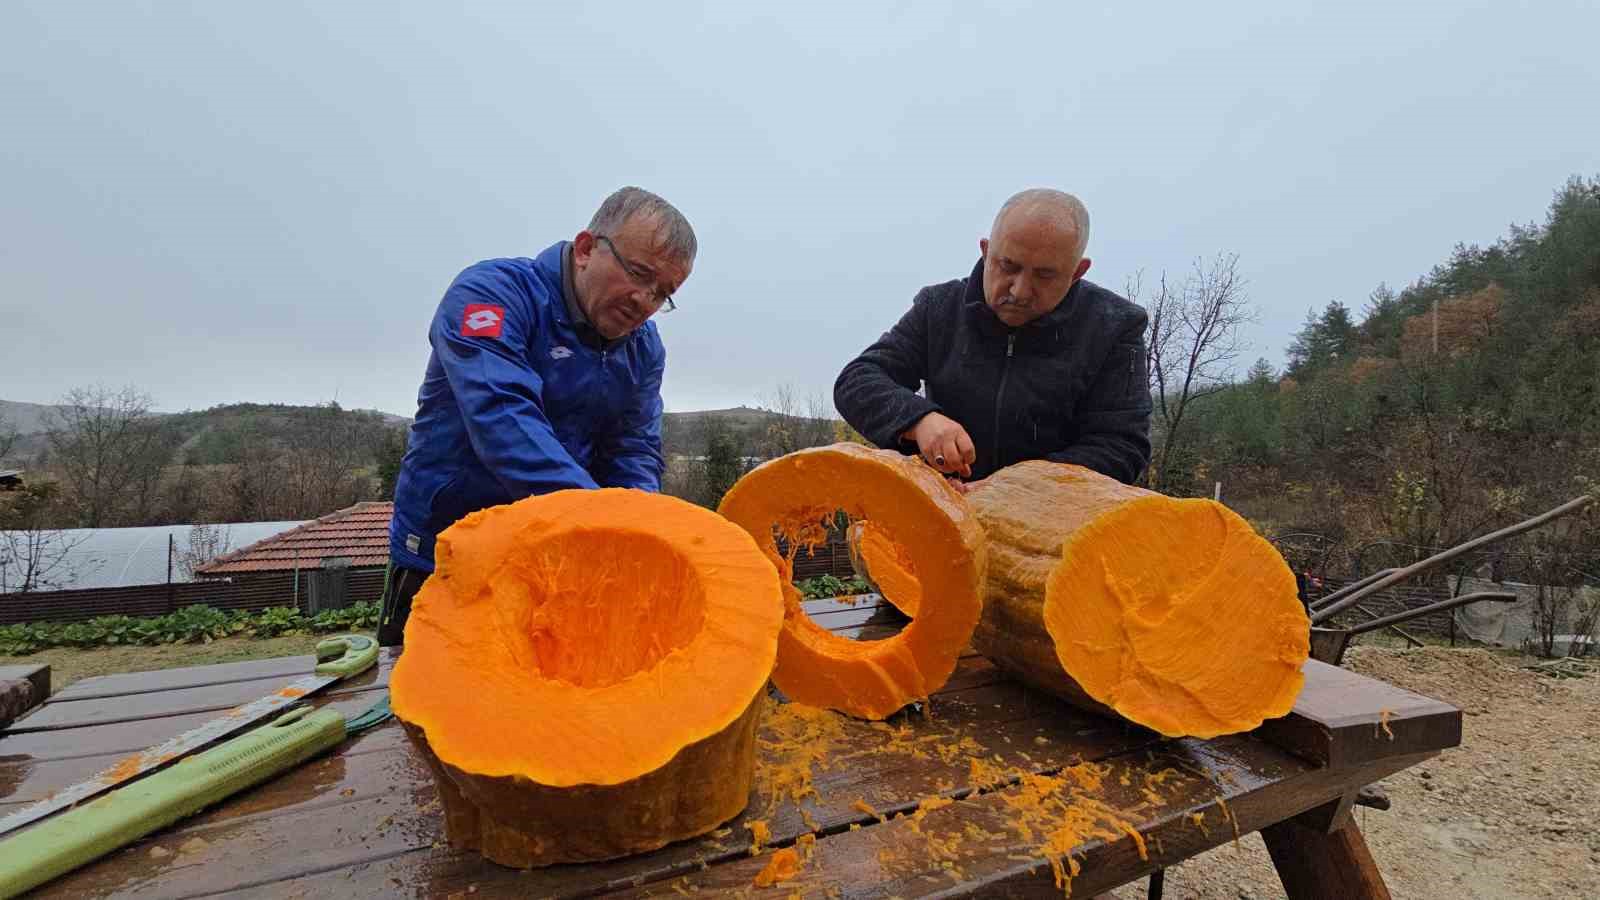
(359,533)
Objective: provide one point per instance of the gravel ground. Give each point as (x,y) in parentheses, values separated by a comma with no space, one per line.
(1514,812)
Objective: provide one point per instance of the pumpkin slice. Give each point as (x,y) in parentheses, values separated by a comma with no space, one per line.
(886,566)
(913,506)
(583,672)
(1171,613)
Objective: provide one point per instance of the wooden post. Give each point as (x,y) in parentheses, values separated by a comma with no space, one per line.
(172,597)
(1314,864)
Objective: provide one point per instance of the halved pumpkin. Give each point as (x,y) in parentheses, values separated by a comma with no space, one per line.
(1172,613)
(913,506)
(584,670)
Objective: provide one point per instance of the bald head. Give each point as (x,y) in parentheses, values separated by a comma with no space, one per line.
(1057,208)
(1034,254)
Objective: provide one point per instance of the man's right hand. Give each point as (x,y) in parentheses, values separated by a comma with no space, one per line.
(944,444)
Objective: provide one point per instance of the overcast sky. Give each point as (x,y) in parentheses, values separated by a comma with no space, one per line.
(263,202)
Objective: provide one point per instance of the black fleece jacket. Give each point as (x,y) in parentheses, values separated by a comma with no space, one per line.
(1070,386)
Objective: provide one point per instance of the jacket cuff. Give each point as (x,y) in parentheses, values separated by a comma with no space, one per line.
(917,407)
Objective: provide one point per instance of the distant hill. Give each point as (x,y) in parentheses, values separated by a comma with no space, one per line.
(684,433)
(200,432)
(26,418)
(209,436)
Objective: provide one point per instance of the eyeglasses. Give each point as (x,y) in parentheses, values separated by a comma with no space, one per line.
(641,277)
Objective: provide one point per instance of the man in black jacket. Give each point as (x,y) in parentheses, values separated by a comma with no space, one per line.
(1022,359)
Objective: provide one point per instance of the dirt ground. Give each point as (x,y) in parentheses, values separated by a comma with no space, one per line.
(1512,813)
(68,664)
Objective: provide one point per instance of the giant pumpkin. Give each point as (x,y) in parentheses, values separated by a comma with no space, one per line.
(583,673)
(795,497)
(1172,613)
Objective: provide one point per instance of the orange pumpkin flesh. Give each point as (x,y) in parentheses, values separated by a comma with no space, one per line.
(1173,613)
(583,671)
(917,508)
(886,565)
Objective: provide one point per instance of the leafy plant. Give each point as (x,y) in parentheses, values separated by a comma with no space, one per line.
(276,621)
(190,625)
(823,586)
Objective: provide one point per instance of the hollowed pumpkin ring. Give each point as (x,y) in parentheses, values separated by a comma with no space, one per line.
(583,673)
(905,501)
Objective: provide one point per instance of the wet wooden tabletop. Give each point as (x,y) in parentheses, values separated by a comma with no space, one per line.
(364,821)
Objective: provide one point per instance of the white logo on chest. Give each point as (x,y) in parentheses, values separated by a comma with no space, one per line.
(482,318)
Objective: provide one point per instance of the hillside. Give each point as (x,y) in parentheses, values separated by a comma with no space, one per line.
(201,436)
(1466,399)
(688,433)
(246,462)
(25,418)
(208,436)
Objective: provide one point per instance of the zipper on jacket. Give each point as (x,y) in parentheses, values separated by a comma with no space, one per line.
(1005,370)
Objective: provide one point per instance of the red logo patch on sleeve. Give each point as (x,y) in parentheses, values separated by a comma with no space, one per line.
(482,320)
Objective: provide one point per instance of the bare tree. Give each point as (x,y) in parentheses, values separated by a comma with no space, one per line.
(206,542)
(8,436)
(798,423)
(34,557)
(1192,344)
(254,484)
(722,463)
(186,493)
(103,442)
(314,463)
(148,487)
(326,449)
(1585,618)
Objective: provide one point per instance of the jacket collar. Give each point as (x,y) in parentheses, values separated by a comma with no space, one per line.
(574,313)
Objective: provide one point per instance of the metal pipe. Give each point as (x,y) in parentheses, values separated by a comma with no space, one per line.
(1345,591)
(1442,605)
(1445,556)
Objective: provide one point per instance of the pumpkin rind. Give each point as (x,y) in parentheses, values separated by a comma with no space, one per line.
(1170,613)
(916,507)
(584,671)
(885,564)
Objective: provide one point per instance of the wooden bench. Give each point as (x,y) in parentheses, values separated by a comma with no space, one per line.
(364,820)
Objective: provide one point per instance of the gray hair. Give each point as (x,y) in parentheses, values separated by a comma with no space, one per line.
(1055,204)
(672,229)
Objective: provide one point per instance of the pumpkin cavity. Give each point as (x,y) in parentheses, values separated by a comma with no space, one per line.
(588,608)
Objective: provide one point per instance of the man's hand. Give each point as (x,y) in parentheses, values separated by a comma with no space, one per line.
(944,444)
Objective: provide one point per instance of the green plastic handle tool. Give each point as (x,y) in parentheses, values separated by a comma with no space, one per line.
(77,836)
(338,658)
(346,655)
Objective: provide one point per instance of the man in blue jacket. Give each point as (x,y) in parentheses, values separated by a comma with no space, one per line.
(545,374)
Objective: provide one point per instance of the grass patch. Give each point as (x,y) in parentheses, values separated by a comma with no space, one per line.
(70,664)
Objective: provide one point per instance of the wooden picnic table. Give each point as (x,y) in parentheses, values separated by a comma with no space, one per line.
(364,820)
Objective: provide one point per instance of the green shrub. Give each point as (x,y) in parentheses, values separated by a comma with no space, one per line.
(190,625)
(277,620)
(831,586)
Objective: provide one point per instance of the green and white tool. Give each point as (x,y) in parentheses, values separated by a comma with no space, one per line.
(338,658)
(190,784)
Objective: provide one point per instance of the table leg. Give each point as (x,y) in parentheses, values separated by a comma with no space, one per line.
(1315,864)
